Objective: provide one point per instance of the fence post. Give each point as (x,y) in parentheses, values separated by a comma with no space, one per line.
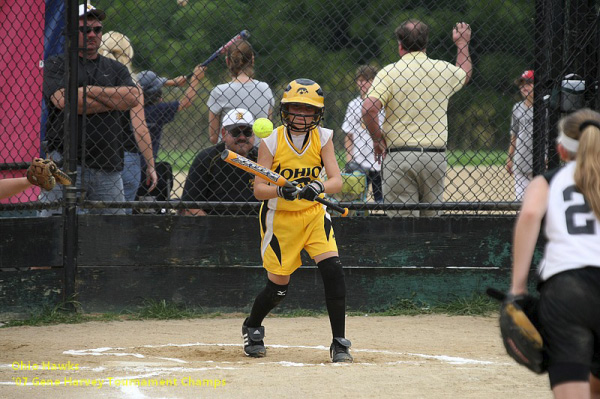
(70,228)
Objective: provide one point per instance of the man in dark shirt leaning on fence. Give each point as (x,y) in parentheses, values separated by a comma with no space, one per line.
(212,179)
(106,94)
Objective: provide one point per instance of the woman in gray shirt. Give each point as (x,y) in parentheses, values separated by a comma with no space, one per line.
(243,91)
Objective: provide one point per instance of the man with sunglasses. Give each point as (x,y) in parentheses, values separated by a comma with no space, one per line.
(106,94)
(211,179)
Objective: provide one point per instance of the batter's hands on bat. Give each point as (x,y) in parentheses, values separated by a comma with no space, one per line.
(311,190)
(288,193)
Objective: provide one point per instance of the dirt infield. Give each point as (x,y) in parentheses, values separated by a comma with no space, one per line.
(404,357)
(479,183)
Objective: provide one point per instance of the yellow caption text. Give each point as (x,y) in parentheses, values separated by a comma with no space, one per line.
(120,382)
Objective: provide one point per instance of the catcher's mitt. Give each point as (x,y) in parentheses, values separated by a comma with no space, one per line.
(45,174)
(523,342)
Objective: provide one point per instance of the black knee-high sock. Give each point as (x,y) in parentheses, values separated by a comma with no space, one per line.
(268,298)
(335,294)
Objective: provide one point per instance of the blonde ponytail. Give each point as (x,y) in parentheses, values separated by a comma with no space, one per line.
(587,171)
(584,126)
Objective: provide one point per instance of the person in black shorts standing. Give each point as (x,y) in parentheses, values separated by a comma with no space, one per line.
(568,200)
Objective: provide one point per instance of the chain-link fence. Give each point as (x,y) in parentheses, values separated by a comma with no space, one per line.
(456,116)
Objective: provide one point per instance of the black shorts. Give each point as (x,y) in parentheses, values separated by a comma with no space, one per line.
(570,318)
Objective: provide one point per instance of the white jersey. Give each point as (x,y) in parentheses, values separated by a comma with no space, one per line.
(363,143)
(571,228)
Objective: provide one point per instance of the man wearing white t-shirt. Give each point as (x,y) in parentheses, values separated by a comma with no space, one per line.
(358,142)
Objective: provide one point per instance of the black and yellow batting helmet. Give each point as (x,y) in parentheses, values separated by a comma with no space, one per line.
(307,92)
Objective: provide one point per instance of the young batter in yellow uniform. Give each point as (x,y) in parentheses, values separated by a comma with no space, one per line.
(290,219)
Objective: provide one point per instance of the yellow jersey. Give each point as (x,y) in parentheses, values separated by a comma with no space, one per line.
(300,162)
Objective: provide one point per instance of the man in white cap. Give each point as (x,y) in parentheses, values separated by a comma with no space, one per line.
(106,94)
(212,179)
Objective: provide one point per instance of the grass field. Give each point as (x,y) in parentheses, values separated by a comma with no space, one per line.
(182,160)
(477,305)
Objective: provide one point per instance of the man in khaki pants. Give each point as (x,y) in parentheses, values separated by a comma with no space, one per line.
(415,90)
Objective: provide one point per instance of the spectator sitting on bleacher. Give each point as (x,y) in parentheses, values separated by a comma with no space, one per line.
(212,179)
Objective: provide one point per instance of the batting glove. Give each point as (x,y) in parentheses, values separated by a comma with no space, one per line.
(287,193)
(311,191)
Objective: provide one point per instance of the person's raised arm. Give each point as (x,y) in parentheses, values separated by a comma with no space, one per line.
(192,90)
(176,82)
(461,34)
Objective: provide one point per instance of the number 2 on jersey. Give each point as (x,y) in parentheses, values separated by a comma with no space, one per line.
(573,210)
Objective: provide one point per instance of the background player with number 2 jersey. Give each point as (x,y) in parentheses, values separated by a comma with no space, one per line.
(568,200)
(290,219)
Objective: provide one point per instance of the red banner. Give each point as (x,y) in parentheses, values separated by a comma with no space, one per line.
(21,63)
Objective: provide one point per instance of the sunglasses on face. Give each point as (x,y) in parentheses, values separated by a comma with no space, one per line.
(87,29)
(246,131)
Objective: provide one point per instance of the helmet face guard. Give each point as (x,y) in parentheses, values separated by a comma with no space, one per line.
(302,92)
(295,121)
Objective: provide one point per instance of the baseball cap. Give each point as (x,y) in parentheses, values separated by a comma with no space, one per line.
(91,11)
(526,77)
(238,117)
(150,81)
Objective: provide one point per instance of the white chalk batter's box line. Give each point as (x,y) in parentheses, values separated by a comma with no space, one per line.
(156,371)
(107,351)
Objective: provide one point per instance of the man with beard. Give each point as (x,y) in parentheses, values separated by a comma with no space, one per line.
(211,179)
